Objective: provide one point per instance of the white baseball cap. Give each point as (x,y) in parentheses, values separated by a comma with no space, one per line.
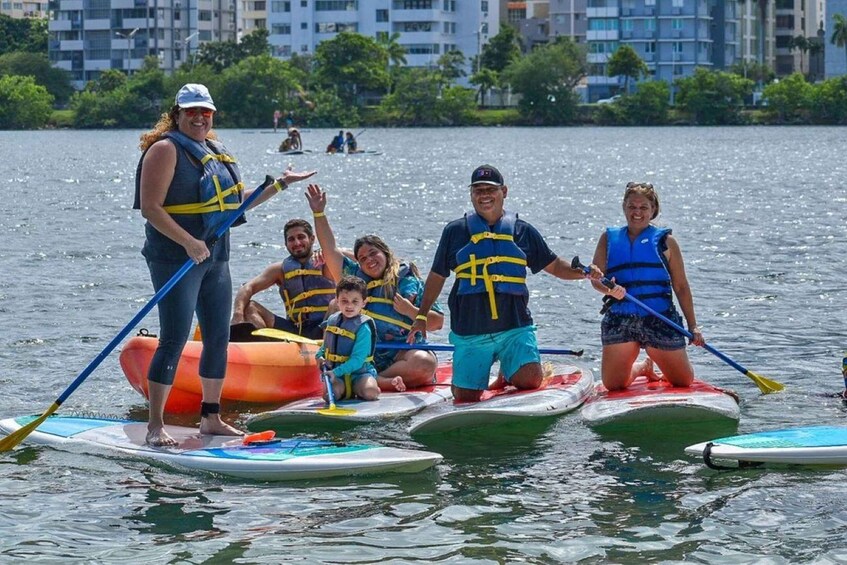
(194,96)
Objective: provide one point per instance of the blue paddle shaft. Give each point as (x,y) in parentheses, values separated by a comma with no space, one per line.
(225,225)
(329,394)
(666,320)
(439,347)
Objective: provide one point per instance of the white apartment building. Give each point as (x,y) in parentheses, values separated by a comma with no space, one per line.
(427,28)
(794,18)
(24,9)
(87,37)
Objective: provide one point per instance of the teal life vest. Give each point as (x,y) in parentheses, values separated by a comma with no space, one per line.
(641,268)
(220,183)
(339,338)
(390,324)
(491,262)
(305,291)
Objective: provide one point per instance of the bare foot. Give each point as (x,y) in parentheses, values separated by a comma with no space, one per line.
(159,438)
(398,384)
(213,425)
(646,369)
(499,382)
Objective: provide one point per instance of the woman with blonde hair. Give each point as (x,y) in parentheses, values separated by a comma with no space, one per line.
(394,293)
(645,260)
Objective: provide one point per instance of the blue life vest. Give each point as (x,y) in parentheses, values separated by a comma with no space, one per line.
(491,262)
(390,324)
(220,184)
(305,291)
(339,338)
(639,267)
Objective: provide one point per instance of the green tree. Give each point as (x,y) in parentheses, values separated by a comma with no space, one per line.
(415,98)
(246,92)
(221,55)
(546,79)
(109,80)
(757,72)
(452,65)
(625,62)
(788,98)
(329,110)
(23,34)
(456,106)
(24,104)
(353,63)
(56,81)
(828,101)
(648,105)
(713,97)
(501,50)
(839,31)
(800,43)
(485,79)
(395,51)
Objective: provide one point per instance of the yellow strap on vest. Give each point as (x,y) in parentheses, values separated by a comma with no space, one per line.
(488,279)
(342,332)
(214,204)
(388,319)
(217,157)
(477,237)
(374,300)
(375,283)
(303,272)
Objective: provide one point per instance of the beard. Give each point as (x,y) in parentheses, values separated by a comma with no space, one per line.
(301,254)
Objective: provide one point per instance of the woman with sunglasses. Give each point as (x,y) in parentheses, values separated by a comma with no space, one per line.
(394,294)
(186,181)
(645,260)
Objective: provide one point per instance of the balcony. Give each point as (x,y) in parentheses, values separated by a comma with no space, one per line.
(416,15)
(597,57)
(602,35)
(601,12)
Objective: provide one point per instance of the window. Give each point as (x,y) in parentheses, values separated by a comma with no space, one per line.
(304,3)
(677,47)
(483,5)
(650,47)
(204,15)
(676,24)
(650,24)
(335,5)
(649,2)
(677,3)
(304,25)
(280,6)
(626,25)
(382,15)
(281,29)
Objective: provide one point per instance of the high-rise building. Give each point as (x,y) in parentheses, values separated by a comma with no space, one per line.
(427,28)
(794,18)
(24,8)
(568,18)
(87,37)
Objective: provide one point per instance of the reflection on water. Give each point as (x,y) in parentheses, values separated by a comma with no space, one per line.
(758,213)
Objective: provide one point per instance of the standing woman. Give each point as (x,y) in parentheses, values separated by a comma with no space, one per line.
(646,261)
(185,183)
(394,294)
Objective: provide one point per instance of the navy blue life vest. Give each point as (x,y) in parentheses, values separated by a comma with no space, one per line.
(220,184)
(491,262)
(640,267)
(305,291)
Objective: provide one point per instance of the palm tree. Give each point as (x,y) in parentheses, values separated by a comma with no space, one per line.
(391,43)
(839,31)
(802,44)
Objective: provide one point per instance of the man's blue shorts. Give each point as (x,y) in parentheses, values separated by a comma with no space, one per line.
(475,354)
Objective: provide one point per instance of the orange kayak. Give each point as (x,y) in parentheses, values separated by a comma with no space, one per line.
(260,372)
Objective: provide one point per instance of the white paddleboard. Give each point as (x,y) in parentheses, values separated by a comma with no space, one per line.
(645,402)
(289,152)
(560,393)
(389,406)
(276,460)
(815,445)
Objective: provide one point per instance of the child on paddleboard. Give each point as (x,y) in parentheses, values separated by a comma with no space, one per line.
(346,355)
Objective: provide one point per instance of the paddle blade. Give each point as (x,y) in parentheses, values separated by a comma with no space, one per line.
(285,336)
(13,439)
(767,386)
(333,410)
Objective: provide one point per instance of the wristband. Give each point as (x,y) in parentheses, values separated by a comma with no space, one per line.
(421,317)
(318,214)
(279,185)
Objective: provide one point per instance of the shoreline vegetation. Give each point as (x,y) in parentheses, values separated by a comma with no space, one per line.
(357,81)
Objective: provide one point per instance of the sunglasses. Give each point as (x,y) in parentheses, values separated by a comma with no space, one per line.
(194,112)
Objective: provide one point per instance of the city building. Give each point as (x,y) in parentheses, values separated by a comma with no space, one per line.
(835,59)
(87,37)
(569,18)
(427,28)
(795,18)
(24,9)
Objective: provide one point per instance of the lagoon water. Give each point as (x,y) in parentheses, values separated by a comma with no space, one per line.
(760,215)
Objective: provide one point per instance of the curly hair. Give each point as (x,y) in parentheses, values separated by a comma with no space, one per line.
(167,122)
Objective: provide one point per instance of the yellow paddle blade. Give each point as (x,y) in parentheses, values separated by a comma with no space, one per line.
(13,439)
(285,336)
(767,386)
(333,410)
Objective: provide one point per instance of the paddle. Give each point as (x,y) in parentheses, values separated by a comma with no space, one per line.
(439,347)
(333,410)
(765,385)
(285,336)
(18,436)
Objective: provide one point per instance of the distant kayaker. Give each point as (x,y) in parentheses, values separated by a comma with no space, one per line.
(183,167)
(337,143)
(394,292)
(351,143)
(490,250)
(293,142)
(305,286)
(348,361)
(645,260)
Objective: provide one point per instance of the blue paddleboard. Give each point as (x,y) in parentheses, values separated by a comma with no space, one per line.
(815,445)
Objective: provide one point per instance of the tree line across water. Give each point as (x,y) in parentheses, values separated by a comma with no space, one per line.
(356,80)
